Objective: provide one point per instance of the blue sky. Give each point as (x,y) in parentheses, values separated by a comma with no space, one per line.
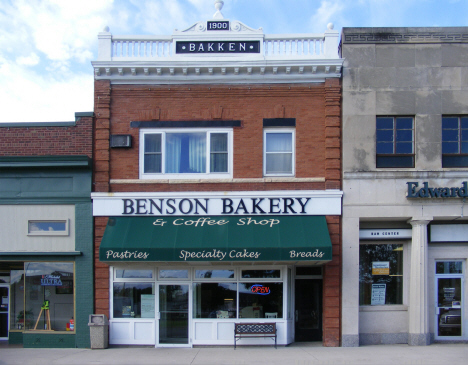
(46,46)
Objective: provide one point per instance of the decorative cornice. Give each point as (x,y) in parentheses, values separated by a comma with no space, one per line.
(405,35)
(229,53)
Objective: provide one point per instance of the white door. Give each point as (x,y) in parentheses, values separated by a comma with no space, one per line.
(173,315)
(449,305)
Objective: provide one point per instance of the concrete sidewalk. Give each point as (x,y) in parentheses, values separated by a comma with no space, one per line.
(303,354)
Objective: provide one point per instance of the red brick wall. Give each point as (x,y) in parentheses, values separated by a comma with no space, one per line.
(317,109)
(44,141)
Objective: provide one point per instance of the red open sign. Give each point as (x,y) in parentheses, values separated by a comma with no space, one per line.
(260,289)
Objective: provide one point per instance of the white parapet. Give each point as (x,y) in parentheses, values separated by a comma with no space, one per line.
(218,51)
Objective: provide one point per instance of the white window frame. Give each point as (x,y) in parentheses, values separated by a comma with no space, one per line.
(293,157)
(65,232)
(175,268)
(216,279)
(179,176)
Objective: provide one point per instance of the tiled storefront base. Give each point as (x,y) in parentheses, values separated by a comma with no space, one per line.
(49,340)
(382,338)
(15,338)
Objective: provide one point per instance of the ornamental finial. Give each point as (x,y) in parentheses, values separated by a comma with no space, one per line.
(218,5)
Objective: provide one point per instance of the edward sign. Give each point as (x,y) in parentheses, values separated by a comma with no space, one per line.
(429,192)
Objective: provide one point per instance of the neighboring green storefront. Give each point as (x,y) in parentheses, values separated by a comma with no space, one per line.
(46,250)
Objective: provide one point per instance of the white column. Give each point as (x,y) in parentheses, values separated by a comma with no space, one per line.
(350,283)
(418,288)
(105,45)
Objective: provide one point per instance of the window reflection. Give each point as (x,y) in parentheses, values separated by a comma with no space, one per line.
(214,274)
(133,274)
(133,300)
(381,274)
(261,300)
(52,282)
(215,300)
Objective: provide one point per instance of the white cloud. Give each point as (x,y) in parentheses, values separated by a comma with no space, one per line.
(31,60)
(328,12)
(30,97)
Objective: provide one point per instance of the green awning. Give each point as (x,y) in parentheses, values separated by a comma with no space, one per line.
(219,239)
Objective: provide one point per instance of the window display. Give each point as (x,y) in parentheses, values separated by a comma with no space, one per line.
(215,300)
(261,300)
(49,297)
(381,274)
(19,318)
(133,300)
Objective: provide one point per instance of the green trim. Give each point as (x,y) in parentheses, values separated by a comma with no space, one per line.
(45,200)
(80,161)
(84,114)
(15,337)
(44,253)
(36,339)
(216,239)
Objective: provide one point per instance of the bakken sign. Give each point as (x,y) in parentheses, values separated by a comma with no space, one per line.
(426,191)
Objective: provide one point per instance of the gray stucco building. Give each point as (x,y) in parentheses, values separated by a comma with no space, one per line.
(405,159)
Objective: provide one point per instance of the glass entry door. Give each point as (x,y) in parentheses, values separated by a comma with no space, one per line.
(173,327)
(449,307)
(4,310)
(308,310)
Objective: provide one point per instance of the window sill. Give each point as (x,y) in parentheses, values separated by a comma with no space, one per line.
(30,332)
(217,181)
(383,308)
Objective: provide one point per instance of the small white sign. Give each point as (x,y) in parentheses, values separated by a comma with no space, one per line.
(385,234)
(147,306)
(378,294)
(380,267)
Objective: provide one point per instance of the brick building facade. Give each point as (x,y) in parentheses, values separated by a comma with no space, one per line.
(46,262)
(246,101)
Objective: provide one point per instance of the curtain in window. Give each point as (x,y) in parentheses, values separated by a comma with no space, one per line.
(197,153)
(185,153)
(173,150)
(218,152)
(278,153)
(153,153)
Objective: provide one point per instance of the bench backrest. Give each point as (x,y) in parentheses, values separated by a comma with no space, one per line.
(255,328)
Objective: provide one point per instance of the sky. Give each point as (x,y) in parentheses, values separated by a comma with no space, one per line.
(46,46)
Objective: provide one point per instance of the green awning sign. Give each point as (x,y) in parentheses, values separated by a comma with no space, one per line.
(219,239)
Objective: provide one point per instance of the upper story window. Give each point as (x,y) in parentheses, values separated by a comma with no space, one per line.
(278,148)
(455,141)
(185,153)
(395,141)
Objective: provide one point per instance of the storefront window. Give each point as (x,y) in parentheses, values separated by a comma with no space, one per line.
(261,274)
(49,298)
(133,274)
(449,267)
(381,274)
(19,318)
(173,274)
(260,300)
(133,300)
(215,300)
(214,274)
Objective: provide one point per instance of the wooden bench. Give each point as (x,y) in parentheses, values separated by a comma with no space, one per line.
(254,330)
